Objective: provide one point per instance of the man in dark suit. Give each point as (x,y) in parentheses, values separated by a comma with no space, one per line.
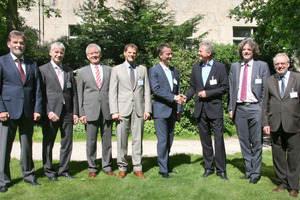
(92,87)
(165,86)
(60,106)
(246,89)
(20,105)
(281,120)
(209,81)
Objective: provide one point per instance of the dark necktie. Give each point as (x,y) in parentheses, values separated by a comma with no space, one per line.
(282,87)
(132,78)
(21,71)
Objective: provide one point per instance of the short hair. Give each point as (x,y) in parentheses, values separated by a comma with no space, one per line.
(92,45)
(130,45)
(282,54)
(161,47)
(252,43)
(57,44)
(209,47)
(15,33)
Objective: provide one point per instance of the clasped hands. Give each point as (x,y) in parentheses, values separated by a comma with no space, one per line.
(180,98)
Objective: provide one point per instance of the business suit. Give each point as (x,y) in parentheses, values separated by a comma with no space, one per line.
(209,110)
(93,103)
(283,117)
(164,112)
(21,101)
(64,103)
(247,118)
(131,102)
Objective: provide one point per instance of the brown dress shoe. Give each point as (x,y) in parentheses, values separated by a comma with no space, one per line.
(279,188)
(122,174)
(110,173)
(293,193)
(92,174)
(139,174)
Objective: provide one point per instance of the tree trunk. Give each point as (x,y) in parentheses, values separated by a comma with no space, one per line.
(12,16)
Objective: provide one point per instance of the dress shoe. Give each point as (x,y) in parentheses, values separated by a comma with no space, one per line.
(172,172)
(207,173)
(139,174)
(164,175)
(279,188)
(122,174)
(245,177)
(52,178)
(92,174)
(254,180)
(67,175)
(293,193)
(222,175)
(3,189)
(32,182)
(110,173)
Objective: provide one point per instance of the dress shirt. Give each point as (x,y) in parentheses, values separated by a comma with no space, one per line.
(206,70)
(22,62)
(285,78)
(168,74)
(94,71)
(128,69)
(55,68)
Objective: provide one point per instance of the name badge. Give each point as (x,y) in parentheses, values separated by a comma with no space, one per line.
(213,81)
(140,82)
(293,94)
(258,81)
(175,81)
(69,84)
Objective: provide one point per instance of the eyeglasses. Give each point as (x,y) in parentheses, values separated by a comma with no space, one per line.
(280,64)
(96,52)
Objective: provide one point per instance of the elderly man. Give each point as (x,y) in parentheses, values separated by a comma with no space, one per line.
(61,111)
(246,89)
(92,85)
(281,117)
(130,106)
(209,82)
(20,105)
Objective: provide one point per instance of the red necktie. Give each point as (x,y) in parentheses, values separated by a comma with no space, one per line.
(98,76)
(21,71)
(244,83)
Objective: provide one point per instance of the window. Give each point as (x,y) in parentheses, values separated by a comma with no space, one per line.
(240,33)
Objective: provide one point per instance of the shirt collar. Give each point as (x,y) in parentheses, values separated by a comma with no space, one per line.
(209,64)
(15,57)
(250,63)
(286,76)
(128,64)
(55,65)
(163,65)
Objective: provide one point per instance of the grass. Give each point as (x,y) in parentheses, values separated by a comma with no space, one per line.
(187,184)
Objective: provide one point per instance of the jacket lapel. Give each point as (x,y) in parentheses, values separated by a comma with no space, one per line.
(89,73)
(13,66)
(288,88)
(53,74)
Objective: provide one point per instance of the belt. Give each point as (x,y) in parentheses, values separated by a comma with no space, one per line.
(246,103)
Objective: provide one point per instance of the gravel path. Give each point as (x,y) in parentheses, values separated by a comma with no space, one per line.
(232,146)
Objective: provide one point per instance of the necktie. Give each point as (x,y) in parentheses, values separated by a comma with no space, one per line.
(98,76)
(282,87)
(60,77)
(132,78)
(244,83)
(169,76)
(21,71)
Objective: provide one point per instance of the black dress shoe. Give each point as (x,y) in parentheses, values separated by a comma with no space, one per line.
(67,175)
(245,177)
(207,173)
(164,175)
(3,189)
(223,175)
(254,180)
(32,182)
(52,178)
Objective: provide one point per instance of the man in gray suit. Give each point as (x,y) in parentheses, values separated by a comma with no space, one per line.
(281,117)
(92,86)
(130,106)
(246,86)
(60,106)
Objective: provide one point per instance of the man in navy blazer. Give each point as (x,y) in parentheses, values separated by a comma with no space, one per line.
(20,105)
(209,82)
(165,86)
(246,90)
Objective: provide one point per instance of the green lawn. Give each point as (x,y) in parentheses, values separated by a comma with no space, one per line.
(187,184)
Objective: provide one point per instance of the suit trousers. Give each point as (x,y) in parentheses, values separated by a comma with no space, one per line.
(248,125)
(65,124)
(91,143)
(204,126)
(7,135)
(286,152)
(164,128)
(136,124)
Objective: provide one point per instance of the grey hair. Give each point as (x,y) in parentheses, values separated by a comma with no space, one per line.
(282,54)
(252,43)
(57,44)
(92,45)
(209,47)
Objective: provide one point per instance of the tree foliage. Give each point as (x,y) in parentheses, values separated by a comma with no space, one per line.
(278,27)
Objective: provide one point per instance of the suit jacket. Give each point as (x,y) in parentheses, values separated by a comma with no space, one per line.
(260,70)
(123,97)
(53,95)
(16,97)
(92,99)
(164,104)
(285,111)
(214,90)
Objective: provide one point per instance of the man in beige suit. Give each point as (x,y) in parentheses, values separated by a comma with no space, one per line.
(130,106)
